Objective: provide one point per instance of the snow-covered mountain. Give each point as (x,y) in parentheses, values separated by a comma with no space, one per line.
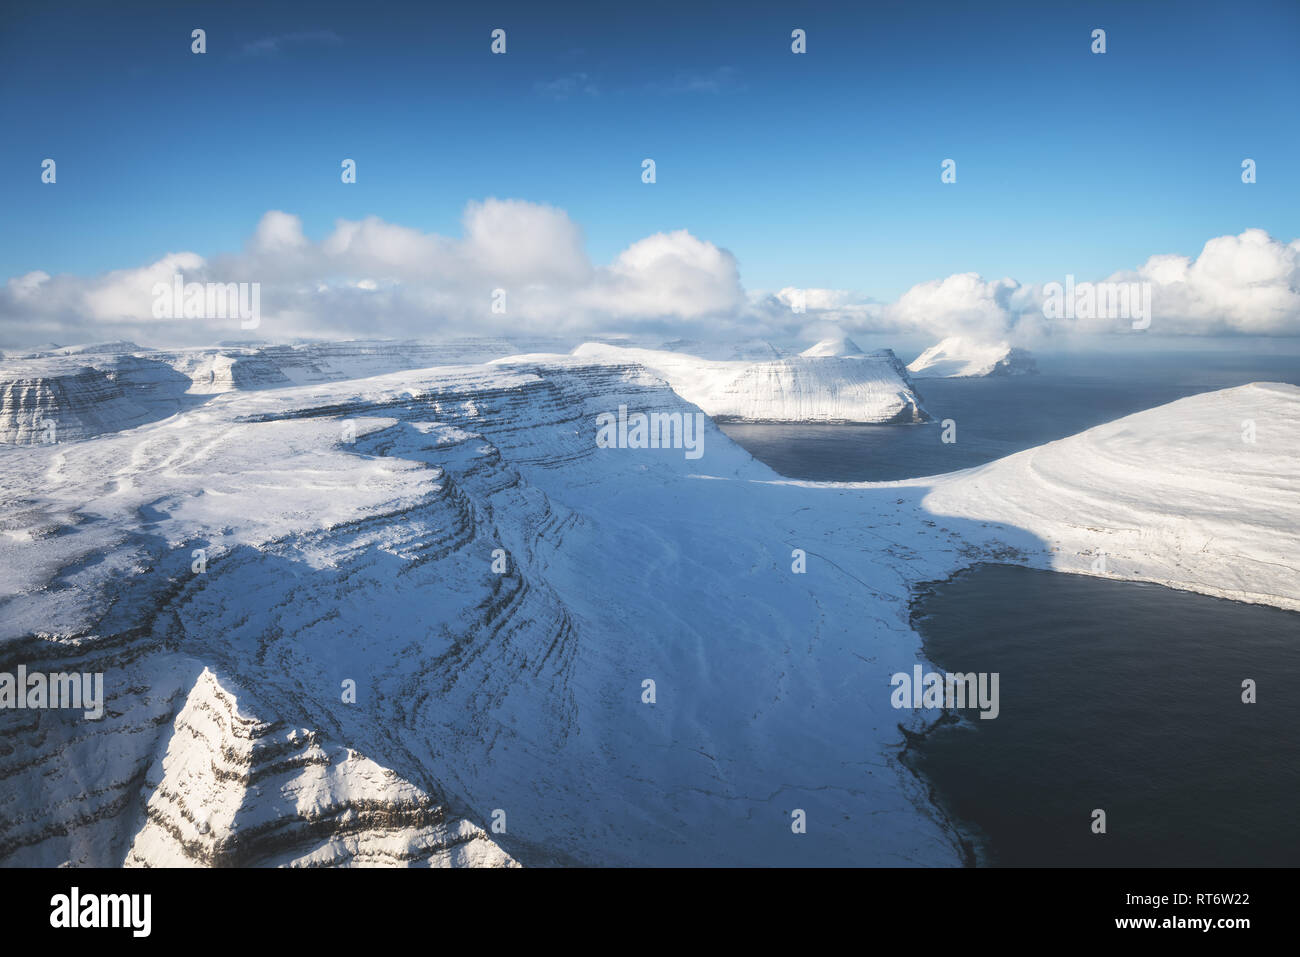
(837,346)
(831,387)
(955,357)
(499,590)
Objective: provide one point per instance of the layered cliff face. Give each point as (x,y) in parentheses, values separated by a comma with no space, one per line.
(108,388)
(864,389)
(811,388)
(955,357)
(90,390)
(52,401)
(234,791)
(120,595)
(71,393)
(397,522)
(212,372)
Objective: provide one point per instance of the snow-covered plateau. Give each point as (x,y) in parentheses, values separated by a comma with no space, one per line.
(956,357)
(410,618)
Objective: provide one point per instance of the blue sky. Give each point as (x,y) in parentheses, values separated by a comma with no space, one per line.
(819,170)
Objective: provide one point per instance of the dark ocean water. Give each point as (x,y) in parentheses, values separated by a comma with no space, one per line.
(1121,696)
(996,417)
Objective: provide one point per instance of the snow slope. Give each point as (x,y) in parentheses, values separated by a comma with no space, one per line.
(956,357)
(1174,495)
(353,531)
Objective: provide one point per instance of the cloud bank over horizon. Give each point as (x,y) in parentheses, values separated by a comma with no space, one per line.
(521,268)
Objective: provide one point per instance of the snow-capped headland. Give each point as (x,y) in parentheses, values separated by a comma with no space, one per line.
(838,384)
(956,357)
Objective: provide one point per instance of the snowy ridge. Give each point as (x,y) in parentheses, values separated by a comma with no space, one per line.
(955,357)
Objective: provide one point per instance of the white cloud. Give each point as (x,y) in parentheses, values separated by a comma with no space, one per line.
(371,277)
(963,304)
(1239,285)
(26,286)
(277,232)
(820,299)
(669,274)
(121,294)
(523,242)
(1243,284)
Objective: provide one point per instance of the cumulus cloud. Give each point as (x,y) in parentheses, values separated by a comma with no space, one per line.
(25,287)
(669,274)
(1239,285)
(964,304)
(371,277)
(117,295)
